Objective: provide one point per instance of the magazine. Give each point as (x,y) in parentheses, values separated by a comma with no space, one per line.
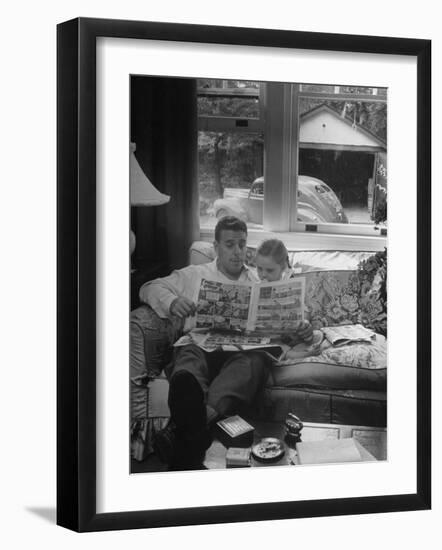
(346,334)
(251,308)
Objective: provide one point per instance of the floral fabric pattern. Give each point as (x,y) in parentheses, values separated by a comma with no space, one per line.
(348,297)
(373,275)
(358,354)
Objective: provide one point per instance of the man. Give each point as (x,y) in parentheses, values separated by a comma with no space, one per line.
(204,386)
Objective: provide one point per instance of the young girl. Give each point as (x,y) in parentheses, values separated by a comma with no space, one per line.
(272,264)
(272,261)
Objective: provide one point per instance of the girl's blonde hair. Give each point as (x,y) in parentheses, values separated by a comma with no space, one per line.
(276,249)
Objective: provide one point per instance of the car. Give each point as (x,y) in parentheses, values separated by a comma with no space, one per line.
(317,203)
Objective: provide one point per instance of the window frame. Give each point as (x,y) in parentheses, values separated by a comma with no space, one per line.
(279,122)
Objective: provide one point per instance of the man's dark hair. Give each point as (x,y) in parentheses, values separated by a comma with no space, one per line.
(229,223)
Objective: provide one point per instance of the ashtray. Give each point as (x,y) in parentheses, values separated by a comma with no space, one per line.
(268,449)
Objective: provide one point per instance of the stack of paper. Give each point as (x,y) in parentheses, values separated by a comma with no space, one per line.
(331,451)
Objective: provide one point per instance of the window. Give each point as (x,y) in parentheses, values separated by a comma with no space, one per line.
(230,150)
(339,143)
(293,157)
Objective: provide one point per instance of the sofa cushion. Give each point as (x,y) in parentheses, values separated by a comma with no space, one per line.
(329,376)
(332,406)
(327,260)
(201,252)
(361,355)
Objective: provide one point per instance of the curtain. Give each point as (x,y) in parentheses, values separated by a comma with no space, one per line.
(164,128)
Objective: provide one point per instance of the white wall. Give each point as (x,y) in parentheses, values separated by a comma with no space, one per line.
(325,127)
(27,123)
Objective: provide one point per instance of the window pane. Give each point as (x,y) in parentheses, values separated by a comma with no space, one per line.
(337,89)
(228,164)
(342,144)
(226,84)
(234,98)
(382,92)
(238,107)
(324,88)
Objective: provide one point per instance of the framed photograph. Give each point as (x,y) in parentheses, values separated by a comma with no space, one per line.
(188,156)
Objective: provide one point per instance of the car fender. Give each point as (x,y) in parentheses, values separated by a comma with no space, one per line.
(232,206)
(308,214)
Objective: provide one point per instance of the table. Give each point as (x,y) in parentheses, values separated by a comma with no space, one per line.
(372,442)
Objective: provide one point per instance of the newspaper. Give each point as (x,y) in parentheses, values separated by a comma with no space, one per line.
(251,308)
(212,341)
(241,316)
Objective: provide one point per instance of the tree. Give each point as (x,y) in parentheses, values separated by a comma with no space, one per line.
(235,157)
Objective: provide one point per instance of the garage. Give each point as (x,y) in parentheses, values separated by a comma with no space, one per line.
(343,154)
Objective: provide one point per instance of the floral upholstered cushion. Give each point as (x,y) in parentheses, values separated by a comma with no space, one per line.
(343,298)
(362,355)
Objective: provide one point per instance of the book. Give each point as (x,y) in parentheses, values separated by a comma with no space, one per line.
(347,334)
(250,308)
(234,431)
(237,457)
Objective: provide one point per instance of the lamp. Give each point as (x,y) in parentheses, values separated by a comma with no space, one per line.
(142,190)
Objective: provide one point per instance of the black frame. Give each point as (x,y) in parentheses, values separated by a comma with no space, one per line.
(76,272)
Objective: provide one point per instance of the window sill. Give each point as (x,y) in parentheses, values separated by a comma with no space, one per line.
(311,241)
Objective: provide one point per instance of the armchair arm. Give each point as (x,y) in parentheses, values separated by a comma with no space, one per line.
(151,340)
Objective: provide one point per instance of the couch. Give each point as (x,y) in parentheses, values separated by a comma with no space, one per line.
(345,386)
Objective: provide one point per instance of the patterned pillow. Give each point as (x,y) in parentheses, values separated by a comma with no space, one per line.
(358,354)
(332,298)
(343,298)
(373,275)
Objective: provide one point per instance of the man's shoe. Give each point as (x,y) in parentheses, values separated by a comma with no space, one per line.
(189,452)
(183,442)
(182,453)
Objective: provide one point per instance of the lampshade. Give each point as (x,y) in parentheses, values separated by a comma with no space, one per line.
(142,191)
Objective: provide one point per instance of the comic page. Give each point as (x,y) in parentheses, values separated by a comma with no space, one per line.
(277,307)
(263,308)
(223,306)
